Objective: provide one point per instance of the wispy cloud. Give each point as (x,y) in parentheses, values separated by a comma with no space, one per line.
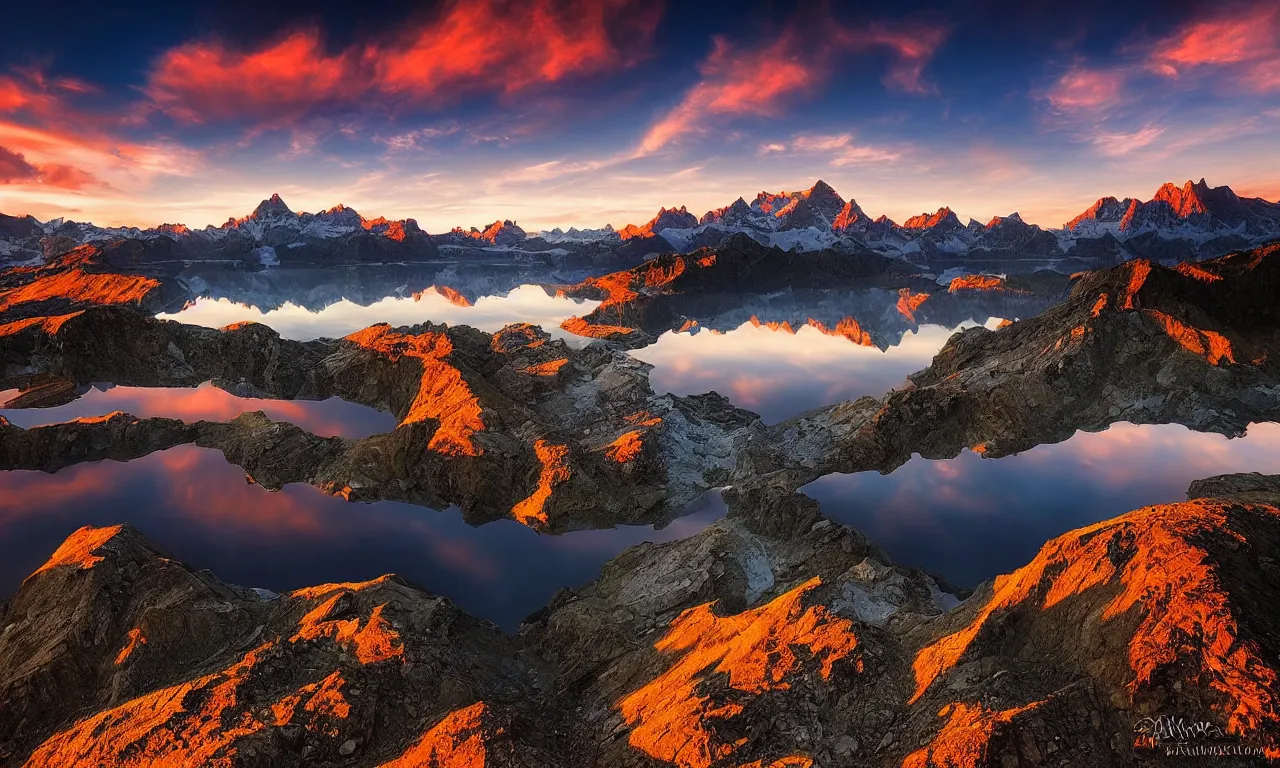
(739,80)
(1083,89)
(1241,43)
(1121,143)
(840,149)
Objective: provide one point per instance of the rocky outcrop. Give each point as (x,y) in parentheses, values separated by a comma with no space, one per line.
(1139,342)
(115,654)
(772,638)
(511,424)
(666,292)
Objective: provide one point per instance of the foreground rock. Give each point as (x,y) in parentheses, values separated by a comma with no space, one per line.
(773,638)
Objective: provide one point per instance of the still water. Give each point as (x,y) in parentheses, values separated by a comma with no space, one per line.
(326,418)
(971,518)
(779,374)
(524,304)
(201,509)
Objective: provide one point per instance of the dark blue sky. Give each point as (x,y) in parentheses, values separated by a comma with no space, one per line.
(560,112)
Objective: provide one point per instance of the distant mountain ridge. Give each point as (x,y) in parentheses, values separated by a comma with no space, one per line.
(1178,223)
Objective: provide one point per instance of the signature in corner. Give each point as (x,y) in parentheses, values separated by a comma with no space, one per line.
(1167,728)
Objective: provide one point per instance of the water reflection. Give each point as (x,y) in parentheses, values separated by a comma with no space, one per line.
(970,518)
(327,418)
(524,304)
(779,374)
(201,509)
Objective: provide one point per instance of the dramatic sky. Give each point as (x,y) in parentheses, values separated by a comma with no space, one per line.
(581,112)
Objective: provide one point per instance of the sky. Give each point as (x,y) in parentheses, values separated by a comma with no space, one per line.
(586,112)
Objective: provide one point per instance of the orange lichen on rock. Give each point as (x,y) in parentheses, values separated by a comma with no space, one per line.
(136,638)
(909,302)
(376,641)
(658,274)
(320,590)
(80,286)
(581,327)
(515,337)
(1138,272)
(964,738)
(1210,345)
(773,325)
(78,550)
(616,286)
(756,651)
(1167,581)
(643,419)
(49,325)
(457,741)
(548,368)
(555,470)
(1197,272)
(318,703)
(443,395)
(381,226)
(976,283)
(626,447)
(193,723)
(848,328)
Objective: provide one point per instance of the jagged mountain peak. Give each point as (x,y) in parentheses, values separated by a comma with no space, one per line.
(272,207)
(1013,218)
(943,217)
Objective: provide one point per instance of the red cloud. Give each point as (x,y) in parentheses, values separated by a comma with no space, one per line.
(1087,89)
(912,49)
(750,81)
(200,81)
(511,46)
(14,169)
(491,45)
(1246,39)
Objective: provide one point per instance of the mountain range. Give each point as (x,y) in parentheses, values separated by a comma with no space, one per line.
(1190,222)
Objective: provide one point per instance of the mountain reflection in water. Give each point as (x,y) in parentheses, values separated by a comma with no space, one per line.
(779,374)
(327,418)
(524,304)
(202,510)
(971,518)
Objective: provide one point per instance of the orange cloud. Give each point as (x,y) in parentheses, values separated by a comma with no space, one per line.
(206,80)
(488,45)
(738,81)
(912,49)
(508,47)
(1244,38)
(1081,89)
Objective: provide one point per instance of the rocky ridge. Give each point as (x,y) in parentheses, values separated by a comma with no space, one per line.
(773,638)
(1177,224)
